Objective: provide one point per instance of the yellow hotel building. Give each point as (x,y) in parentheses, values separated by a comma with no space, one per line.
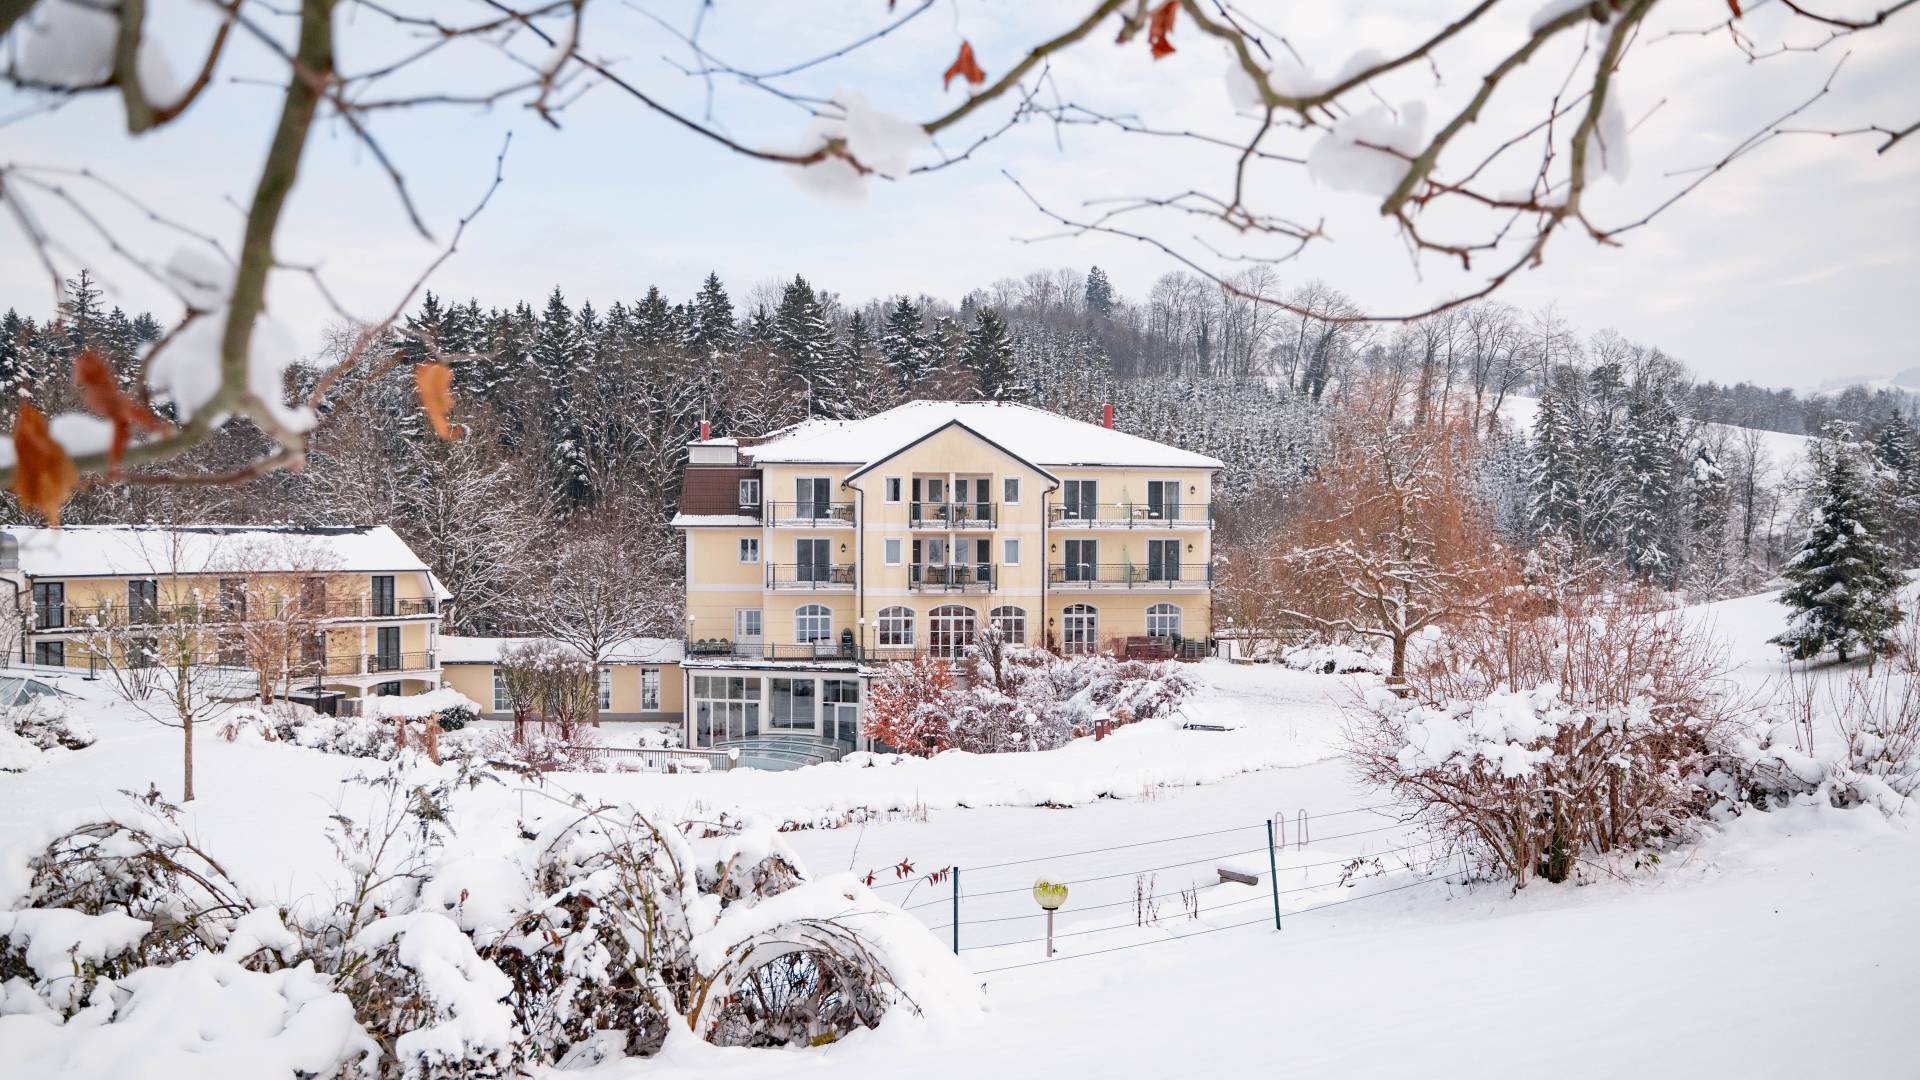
(826,548)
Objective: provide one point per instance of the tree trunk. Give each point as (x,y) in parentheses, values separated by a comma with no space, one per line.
(186,756)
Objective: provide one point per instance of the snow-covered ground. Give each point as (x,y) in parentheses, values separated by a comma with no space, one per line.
(1782,945)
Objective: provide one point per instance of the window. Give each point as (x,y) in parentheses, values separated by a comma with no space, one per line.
(1163,499)
(950,630)
(811,498)
(143,601)
(50,653)
(383,595)
(1163,560)
(49,605)
(749,549)
(386,655)
(1163,621)
(605,687)
(896,626)
(1083,560)
(501,702)
(1010,552)
(1080,500)
(1010,489)
(1011,622)
(893,551)
(811,623)
(725,708)
(840,710)
(893,489)
(793,705)
(812,561)
(746,624)
(650,689)
(233,597)
(749,494)
(1079,629)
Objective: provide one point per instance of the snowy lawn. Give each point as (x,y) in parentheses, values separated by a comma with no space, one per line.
(1783,945)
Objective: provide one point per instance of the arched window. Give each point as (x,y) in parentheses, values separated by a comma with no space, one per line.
(1011,622)
(1163,621)
(950,630)
(812,622)
(896,626)
(1079,629)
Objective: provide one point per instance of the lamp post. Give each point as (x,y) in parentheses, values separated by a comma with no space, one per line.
(1049,895)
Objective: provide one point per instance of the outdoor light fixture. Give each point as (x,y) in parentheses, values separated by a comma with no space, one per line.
(1049,895)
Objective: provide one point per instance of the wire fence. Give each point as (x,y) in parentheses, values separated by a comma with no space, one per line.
(1416,855)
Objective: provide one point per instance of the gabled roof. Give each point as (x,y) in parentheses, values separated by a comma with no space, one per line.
(136,550)
(962,425)
(1036,436)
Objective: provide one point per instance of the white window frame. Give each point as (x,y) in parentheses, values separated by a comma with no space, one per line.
(896,626)
(749,549)
(1011,621)
(1162,611)
(650,689)
(1090,640)
(749,492)
(501,701)
(1010,551)
(1010,489)
(893,550)
(604,687)
(952,629)
(811,613)
(894,487)
(740,619)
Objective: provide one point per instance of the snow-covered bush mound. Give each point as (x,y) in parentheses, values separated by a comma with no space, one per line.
(376,736)
(1016,698)
(37,731)
(1332,660)
(598,933)
(1528,784)
(1843,740)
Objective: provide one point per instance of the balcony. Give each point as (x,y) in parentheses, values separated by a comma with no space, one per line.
(966,577)
(367,664)
(1105,576)
(953,515)
(805,577)
(834,649)
(810,515)
(1130,515)
(233,611)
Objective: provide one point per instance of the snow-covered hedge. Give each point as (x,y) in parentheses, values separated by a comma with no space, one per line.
(1332,660)
(37,731)
(1846,739)
(375,736)
(1016,698)
(598,933)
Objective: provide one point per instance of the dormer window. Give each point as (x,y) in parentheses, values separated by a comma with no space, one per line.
(749,494)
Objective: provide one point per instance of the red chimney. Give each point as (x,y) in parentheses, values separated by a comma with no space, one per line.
(1106,416)
(706,430)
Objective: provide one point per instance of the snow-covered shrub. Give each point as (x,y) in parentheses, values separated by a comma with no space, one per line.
(1332,659)
(1015,698)
(544,748)
(37,730)
(458,717)
(598,933)
(1846,740)
(1573,720)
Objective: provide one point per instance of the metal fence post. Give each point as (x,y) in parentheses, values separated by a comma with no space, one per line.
(956,911)
(1273,875)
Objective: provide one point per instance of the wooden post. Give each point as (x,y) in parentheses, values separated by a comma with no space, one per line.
(1273,874)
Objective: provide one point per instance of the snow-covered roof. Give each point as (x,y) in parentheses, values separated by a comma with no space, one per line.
(113,550)
(454,649)
(1039,436)
(683,521)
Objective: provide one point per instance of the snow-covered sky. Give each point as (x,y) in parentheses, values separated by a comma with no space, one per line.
(1795,267)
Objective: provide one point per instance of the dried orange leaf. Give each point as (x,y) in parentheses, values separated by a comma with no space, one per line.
(101,393)
(435,385)
(965,66)
(43,474)
(1159,25)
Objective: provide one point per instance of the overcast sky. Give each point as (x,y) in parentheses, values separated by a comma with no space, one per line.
(1798,265)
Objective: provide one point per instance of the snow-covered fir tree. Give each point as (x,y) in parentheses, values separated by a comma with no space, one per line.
(903,343)
(804,340)
(710,331)
(1098,292)
(989,357)
(1844,585)
(1898,446)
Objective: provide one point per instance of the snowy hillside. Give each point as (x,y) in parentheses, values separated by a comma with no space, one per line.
(1781,945)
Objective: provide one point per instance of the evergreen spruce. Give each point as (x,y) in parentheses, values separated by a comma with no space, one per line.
(1099,292)
(1844,585)
(989,357)
(903,344)
(711,330)
(1898,446)
(803,340)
